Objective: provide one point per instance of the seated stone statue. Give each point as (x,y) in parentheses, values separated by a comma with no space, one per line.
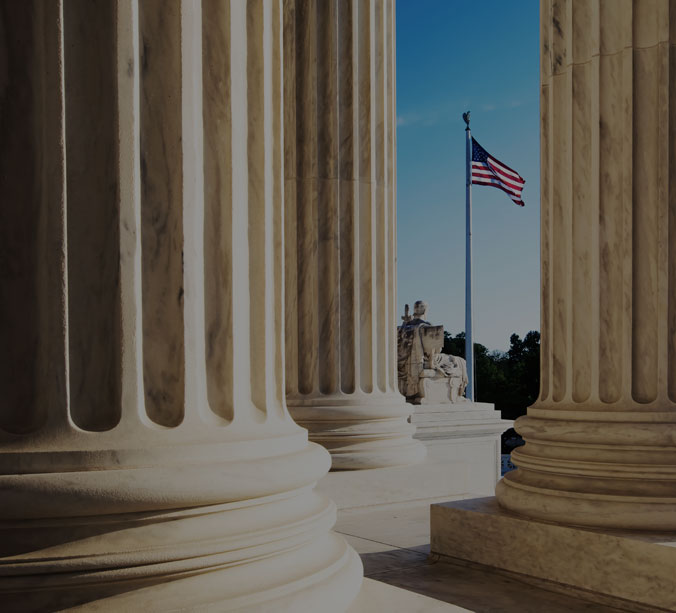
(427,376)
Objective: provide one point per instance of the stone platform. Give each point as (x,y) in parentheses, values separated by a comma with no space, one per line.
(461,420)
(463,460)
(635,571)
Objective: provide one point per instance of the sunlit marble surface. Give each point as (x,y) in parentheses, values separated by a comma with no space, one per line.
(393,542)
(622,568)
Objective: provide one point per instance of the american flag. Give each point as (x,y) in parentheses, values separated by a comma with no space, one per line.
(486,170)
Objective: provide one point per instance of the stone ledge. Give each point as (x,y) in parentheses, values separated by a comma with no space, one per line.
(626,569)
(460,420)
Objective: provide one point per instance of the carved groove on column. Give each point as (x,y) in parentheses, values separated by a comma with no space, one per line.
(326,203)
(218,238)
(33,323)
(240,215)
(258,206)
(306,216)
(670,337)
(91,155)
(348,118)
(390,191)
(382,323)
(129,163)
(365,205)
(277,406)
(594,200)
(545,202)
(560,171)
(645,229)
(290,172)
(582,205)
(373,191)
(612,99)
(193,217)
(561,236)
(161,211)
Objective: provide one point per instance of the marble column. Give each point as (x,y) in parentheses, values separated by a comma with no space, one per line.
(340,231)
(601,439)
(147,458)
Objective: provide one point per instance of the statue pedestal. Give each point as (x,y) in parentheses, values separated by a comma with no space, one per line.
(463,419)
(464,436)
(435,389)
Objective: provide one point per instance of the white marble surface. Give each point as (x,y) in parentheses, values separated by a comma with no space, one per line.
(376,597)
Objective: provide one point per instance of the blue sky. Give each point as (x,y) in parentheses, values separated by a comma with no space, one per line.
(453,56)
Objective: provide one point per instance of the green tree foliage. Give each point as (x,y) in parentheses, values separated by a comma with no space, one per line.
(509,380)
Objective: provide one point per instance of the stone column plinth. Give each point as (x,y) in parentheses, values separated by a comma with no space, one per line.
(601,440)
(340,231)
(147,458)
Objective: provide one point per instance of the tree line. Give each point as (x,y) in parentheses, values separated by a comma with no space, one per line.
(511,379)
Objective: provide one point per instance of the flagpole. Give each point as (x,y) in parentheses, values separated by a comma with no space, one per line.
(469,344)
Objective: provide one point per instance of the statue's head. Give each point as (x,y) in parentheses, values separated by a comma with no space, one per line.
(420,309)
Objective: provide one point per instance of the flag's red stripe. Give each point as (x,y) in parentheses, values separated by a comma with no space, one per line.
(496,183)
(497,171)
(513,198)
(492,177)
(479,166)
(509,179)
(514,188)
(503,167)
(490,173)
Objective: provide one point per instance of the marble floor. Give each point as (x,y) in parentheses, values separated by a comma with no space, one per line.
(393,542)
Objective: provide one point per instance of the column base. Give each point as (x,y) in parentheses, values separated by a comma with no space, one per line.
(580,508)
(618,568)
(360,434)
(249,553)
(302,578)
(598,470)
(369,454)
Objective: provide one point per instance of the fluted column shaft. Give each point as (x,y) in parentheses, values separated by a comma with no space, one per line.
(601,439)
(340,181)
(147,458)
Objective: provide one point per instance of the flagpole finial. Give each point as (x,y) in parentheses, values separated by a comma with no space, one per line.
(465,116)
